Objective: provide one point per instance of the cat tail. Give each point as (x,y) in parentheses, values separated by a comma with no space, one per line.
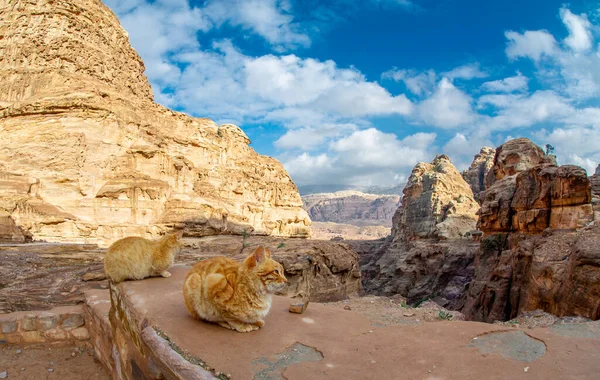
(192,292)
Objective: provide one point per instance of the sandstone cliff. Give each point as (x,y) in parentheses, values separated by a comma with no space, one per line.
(540,249)
(595,181)
(351,207)
(427,255)
(476,173)
(437,202)
(87,156)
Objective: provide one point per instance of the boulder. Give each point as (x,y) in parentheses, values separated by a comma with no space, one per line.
(86,155)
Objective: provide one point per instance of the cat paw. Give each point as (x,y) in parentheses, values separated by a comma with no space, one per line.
(226,325)
(245,327)
(165,274)
(259,323)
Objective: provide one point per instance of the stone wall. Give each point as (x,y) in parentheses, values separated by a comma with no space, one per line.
(61,324)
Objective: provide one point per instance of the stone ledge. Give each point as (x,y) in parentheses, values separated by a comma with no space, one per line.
(61,324)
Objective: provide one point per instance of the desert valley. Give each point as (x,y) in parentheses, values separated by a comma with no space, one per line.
(488,273)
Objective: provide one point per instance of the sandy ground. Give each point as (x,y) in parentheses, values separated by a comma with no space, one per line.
(44,362)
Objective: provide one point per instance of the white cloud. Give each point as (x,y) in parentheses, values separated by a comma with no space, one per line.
(510,84)
(468,71)
(532,44)
(269,19)
(448,107)
(572,145)
(366,157)
(527,111)
(462,147)
(309,138)
(417,83)
(580,35)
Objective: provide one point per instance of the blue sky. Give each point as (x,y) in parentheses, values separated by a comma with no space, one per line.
(356,92)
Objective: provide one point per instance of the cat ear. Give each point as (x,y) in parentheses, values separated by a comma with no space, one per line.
(179,234)
(260,254)
(267,253)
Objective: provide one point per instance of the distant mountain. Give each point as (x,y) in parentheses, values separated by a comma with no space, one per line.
(352,207)
(332,188)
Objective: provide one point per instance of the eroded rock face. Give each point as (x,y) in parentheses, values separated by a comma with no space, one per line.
(516,156)
(537,198)
(419,270)
(557,272)
(537,218)
(437,202)
(351,207)
(86,156)
(595,181)
(427,255)
(475,175)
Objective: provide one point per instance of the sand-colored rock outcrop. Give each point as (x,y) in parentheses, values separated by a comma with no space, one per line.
(475,175)
(87,156)
(437,202)
(428,254)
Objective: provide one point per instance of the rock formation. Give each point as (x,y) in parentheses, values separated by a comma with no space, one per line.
(351,207)
(595,181)
(87,156)
(532,256)
(437,202)
(476,173)
(414,262)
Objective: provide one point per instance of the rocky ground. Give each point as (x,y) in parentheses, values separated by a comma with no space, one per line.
(40,362)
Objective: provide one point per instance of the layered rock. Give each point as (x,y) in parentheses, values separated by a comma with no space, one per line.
(533,256)
(475,175)
(538,198)
(87,156)
(426,256)
(351,207)
(516,156)
(437,202)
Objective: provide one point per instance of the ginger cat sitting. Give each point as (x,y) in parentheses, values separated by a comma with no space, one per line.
(235,295)
(136,258)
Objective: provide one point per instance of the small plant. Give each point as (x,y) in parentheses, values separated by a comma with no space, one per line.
(403,304)
(281,245)
(445,315)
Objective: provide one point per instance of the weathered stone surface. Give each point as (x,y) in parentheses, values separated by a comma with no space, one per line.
(476,173)
(87,156)
(437,202)
(420,270)
(537,198)
(351,207)
(515,272)
(516,156)
(72,320)
(340,231)
(557,272)
(42,276)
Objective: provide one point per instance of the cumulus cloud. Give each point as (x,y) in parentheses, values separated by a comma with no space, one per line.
(419,83)
(363,158)
(510,84)
(580,35)
(448,107)
(532,44)
(468,71)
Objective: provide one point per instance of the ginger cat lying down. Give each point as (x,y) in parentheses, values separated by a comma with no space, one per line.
(235,295)
(135,258)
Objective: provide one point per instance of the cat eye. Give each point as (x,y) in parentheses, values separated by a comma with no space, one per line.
(276,271)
